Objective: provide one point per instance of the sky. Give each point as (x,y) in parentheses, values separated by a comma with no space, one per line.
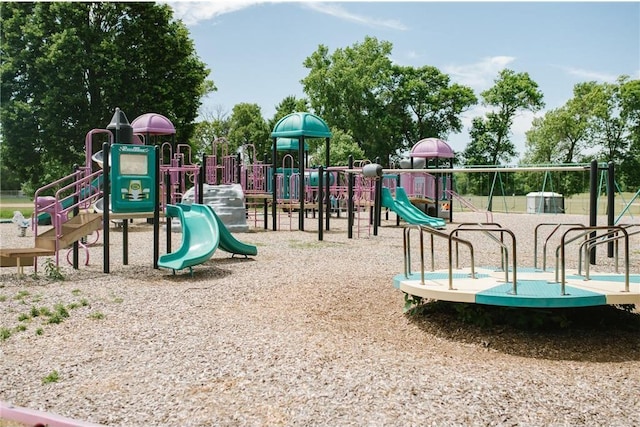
(255,49)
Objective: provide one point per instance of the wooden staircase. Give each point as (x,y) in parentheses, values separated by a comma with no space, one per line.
(73,230)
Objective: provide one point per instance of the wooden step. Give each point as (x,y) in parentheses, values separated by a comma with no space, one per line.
(21,257)
(72,231)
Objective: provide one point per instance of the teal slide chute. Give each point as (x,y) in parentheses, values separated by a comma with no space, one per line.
(200,236)
(202,233)
(403,207)
(230,244)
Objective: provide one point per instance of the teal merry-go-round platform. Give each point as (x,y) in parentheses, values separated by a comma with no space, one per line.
(513,286)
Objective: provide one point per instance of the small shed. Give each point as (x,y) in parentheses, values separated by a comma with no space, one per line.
(545,202)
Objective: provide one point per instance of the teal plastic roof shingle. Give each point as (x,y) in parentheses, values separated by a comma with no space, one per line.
(296,125)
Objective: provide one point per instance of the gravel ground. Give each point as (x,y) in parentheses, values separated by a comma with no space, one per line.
(306,333)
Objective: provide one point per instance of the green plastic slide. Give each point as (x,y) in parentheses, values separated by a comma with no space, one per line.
(202,233)
(403,207)
(200,236)
(230,244)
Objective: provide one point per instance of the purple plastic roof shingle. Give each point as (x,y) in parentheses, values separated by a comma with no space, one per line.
(153,124)
(431,148)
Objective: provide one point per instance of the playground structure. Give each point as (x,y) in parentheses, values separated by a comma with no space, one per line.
(286,185)
(430,187)
(142,180)
(514,286)
(202,233)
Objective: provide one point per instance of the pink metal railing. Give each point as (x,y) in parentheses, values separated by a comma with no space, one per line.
(60,207)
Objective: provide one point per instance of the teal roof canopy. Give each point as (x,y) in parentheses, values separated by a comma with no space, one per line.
(301,124)
(289,144)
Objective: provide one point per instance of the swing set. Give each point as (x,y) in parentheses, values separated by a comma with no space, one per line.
(554,203)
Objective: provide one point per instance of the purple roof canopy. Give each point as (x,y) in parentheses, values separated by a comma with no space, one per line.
(153,124)
(431,148)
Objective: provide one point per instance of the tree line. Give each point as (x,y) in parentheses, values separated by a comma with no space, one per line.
(66,66)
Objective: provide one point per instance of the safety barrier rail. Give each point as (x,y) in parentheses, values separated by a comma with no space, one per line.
(505,250)
(72,193)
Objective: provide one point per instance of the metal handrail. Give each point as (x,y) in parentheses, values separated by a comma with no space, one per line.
(544,247)
(432,232)
(479,224)
(72,190)
(584,235)
(588,230)
(597,240)
(591,243)
(504,248)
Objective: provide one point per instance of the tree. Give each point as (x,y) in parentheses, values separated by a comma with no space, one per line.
(490,143)
(386,108)
(603,117)
(559,137)
(512,93)
(67,66)
(348,89)
(607,128)
(215,124)
(248,127)
(433,104)
(630,112)
(342,146)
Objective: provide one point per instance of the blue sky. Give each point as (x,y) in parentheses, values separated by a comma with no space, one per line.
(255,49)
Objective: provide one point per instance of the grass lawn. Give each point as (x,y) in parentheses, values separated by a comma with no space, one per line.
(10,204)
(577,204)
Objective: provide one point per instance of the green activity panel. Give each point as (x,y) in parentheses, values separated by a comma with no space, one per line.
(133,178)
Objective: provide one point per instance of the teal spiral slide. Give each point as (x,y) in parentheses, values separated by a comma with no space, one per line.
(202,233)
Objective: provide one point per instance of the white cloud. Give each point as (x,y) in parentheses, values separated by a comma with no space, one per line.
(412,54)
(340,12)
(479,75)
(590,75)
(192,12)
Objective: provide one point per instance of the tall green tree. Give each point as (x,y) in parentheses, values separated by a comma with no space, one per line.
(490,135)
(601,118)
(630,112)
(432,103)
(385,107)
(67,66)
(348,89)
(342,146)
(607,127)
(560,136)
(511,94)
(613,125)
(247,126)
